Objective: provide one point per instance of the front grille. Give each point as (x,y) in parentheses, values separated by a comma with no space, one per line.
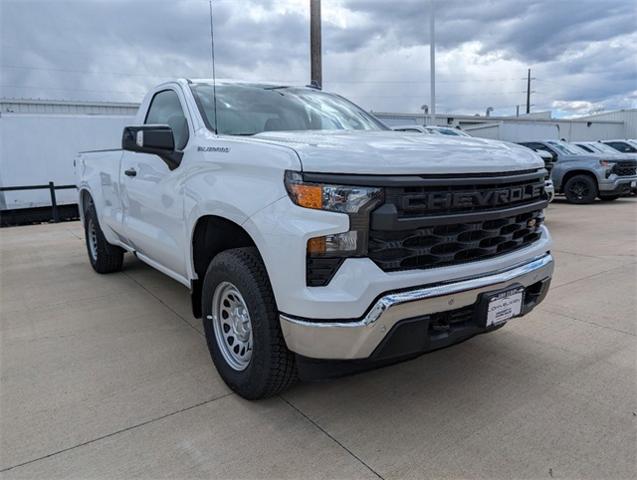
(453,243)
(624,170)
(438,220)
(418,201)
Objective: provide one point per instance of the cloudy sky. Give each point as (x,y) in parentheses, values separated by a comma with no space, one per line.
(583,54)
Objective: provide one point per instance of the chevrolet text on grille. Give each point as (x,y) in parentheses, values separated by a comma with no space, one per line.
(444,200)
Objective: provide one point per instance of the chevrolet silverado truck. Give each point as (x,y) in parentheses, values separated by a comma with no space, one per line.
(583,176)
(316,241)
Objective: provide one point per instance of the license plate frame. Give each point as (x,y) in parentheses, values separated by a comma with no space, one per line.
(500,306)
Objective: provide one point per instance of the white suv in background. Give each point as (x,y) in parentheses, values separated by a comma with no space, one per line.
(431,130)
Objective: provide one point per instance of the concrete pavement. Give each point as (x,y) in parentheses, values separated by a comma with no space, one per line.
(109,377)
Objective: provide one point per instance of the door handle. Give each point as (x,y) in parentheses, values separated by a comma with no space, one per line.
(131,172)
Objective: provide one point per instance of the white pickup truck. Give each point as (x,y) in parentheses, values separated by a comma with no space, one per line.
(316,241)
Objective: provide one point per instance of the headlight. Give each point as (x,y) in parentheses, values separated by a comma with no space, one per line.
(334,198)
(326,253)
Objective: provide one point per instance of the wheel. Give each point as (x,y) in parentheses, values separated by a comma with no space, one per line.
(608,198)
(580,189)
(242,326)
(104,257)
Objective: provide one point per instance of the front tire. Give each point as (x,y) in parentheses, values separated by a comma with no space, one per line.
(242,326)
(104,257)
(580,189)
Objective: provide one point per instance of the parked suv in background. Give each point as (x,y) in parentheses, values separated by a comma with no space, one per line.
(582,176)
(431,130)
(603,148)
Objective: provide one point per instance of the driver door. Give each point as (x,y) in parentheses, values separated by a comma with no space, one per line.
(152,194)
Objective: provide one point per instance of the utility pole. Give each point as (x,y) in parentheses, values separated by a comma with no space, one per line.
(432,63)
(315,43)
(528,91)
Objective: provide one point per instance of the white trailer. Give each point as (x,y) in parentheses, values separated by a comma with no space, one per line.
(515,131)
(36,149)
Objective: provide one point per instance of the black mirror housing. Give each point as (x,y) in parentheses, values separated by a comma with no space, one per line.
(154,139)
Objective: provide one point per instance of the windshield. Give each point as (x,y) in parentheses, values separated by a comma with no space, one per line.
(252,109)
(567,149)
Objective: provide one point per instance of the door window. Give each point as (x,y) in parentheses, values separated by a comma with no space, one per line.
(165,109)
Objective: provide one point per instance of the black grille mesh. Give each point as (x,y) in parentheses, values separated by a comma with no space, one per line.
(624,170)
(453,244)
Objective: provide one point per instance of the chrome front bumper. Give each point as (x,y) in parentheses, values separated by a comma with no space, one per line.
(615,184)
(357,339)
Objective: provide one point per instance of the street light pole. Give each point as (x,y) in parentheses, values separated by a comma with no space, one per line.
(432,62)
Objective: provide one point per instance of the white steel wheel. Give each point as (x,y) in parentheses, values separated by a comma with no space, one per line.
(232,326)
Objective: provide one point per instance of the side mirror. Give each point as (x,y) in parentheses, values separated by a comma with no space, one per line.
(155,139)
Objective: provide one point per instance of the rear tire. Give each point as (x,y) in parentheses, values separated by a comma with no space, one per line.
(104,257)
(580,189)
(241,323)
(608,198)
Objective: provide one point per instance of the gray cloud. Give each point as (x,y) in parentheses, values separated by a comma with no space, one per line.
(375,52)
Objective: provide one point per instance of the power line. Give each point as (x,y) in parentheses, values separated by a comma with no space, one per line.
(90,72)
(477,94)
(70,89)
(300,81)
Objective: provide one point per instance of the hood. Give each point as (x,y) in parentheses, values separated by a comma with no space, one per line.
(391,152)
(611,157)
(616,157)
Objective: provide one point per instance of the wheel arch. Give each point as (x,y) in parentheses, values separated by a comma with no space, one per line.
(571,173)
(84,196)
(211,235)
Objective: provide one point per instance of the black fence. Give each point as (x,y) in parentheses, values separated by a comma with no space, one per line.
(34,214)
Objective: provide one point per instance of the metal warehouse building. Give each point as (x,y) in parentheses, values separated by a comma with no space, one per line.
(13,105)
(601,126)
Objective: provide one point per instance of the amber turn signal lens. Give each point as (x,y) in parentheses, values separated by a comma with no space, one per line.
(308,196)
(316,245)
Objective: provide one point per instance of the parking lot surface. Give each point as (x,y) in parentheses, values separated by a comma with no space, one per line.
(109,377)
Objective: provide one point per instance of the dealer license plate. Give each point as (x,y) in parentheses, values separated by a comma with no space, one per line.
(504,305)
